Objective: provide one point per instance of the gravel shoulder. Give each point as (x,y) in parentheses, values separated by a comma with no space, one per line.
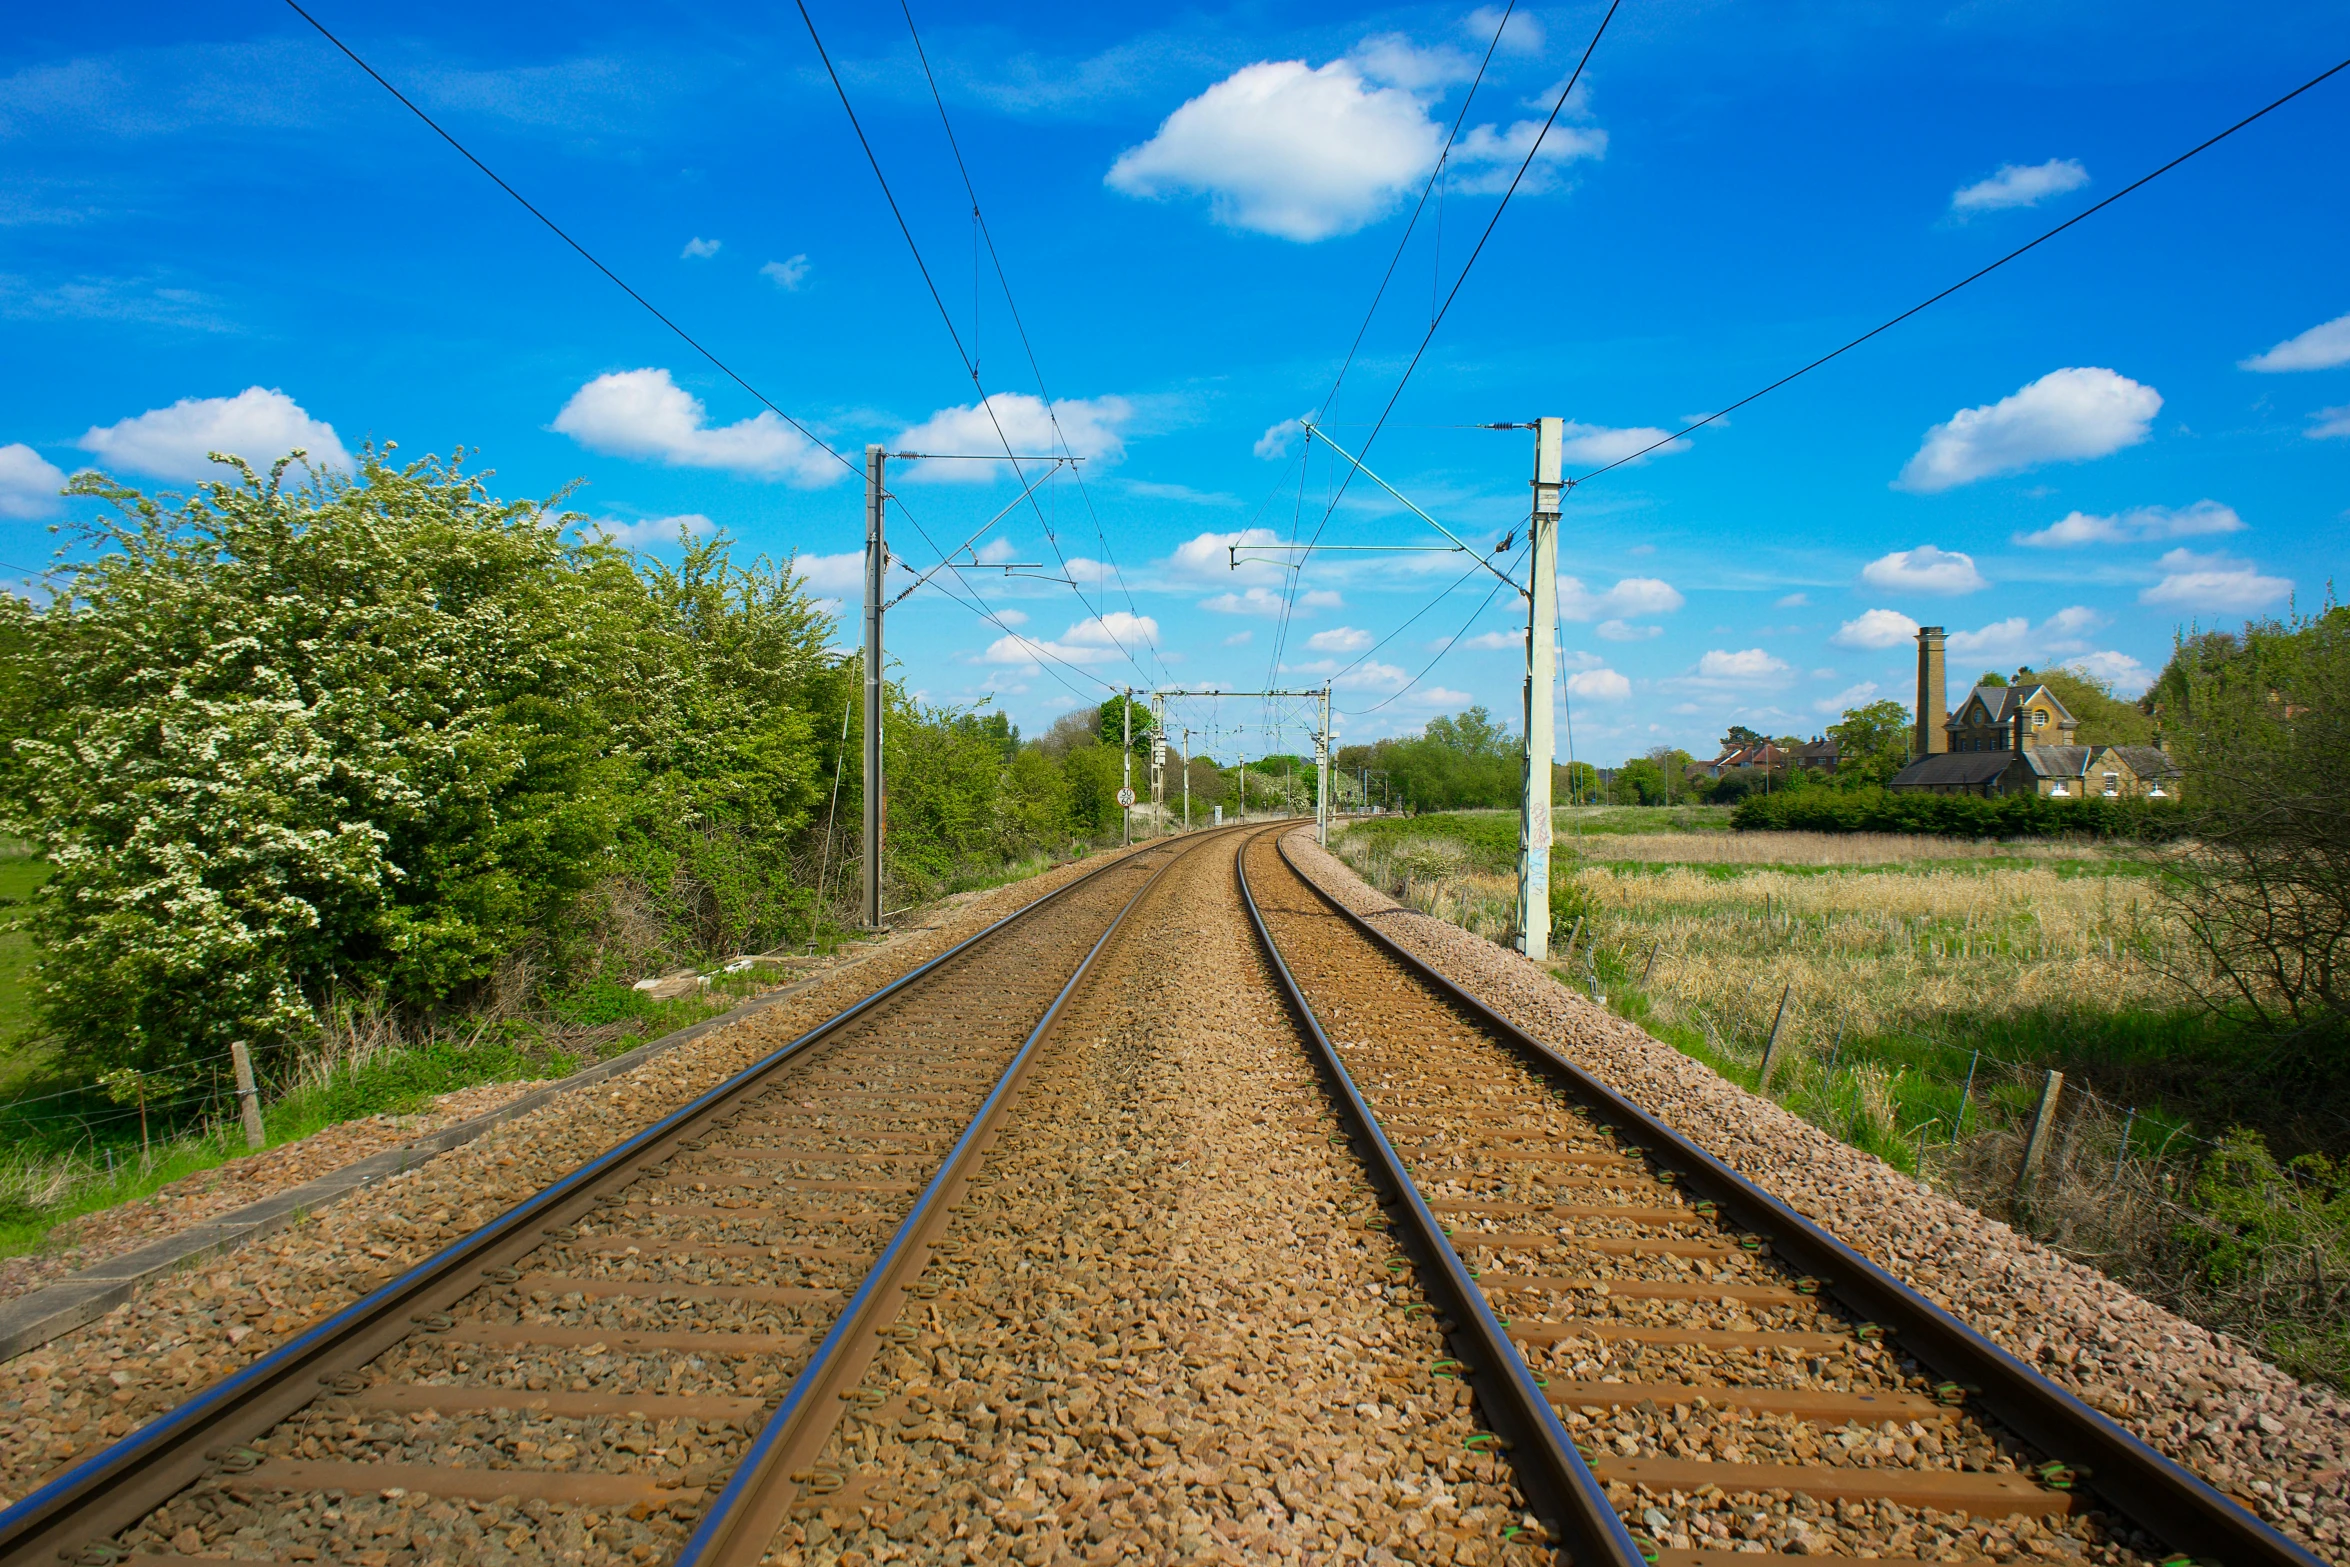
(177,1335)
(2278,1445)
(208,1194)
(1156,1334)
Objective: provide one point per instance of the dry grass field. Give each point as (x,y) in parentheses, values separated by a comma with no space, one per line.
(1919,989)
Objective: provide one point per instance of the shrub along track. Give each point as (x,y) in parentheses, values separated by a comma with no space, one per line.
(571,1381)
(1662,1346)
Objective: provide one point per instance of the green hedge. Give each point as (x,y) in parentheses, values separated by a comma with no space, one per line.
(1955,815)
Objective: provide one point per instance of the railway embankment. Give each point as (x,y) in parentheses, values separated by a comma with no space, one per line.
(2279,1446)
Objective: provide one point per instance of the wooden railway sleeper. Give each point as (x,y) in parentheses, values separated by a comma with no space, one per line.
(2154,1491)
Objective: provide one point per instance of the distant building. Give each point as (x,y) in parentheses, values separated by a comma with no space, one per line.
(2017,740)
(1818,753)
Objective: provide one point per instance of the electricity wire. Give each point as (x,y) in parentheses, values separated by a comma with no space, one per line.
(560,233)
(1978,273)
(946,316)
(1435,175)
(1363,455)
(981,231)
(1449,643)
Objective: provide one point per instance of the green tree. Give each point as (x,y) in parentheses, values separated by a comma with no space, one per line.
(2105,718)
(1872,744)
(1114,716)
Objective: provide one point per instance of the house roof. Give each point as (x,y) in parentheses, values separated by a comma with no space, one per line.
(2001,703)
(2147,761)
(2059,761)
(1951,769)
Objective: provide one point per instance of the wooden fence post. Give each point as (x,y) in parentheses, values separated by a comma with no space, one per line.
(1770,1062)
(248,1096)
(2043,1126)
(1573,936)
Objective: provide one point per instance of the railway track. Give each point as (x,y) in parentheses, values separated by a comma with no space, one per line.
(642,1362)
(1673,1359)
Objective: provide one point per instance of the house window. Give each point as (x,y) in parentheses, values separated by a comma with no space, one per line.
(2039,718)
(2059,792)
(2113,783)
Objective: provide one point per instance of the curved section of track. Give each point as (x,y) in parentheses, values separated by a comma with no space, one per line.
(1669,1352)
(645,1348)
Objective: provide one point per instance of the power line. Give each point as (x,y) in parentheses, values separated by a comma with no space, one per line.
(1533,151)
(1449,643)
(1978,273)
(977,607)
(558,231)
(1003,280)
(946,316)
(1281,632)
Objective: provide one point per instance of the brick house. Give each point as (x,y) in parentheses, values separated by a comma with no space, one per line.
(2017,739)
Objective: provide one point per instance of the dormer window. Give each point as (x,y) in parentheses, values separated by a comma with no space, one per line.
(2039,718)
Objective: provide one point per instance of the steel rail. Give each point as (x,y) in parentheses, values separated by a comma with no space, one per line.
(113,1489)
(1557,1483)
(2154,1491)
(743,1518)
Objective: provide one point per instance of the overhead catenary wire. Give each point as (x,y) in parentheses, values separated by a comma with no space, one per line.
(945,316)
(1974,276)
(981,231)
(564,235)
(1533,151)
(1449,643)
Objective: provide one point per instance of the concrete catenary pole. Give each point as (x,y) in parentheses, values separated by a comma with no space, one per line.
(876,579)
(1125,764)
(1187,780)
(1158,762)
(1541,675)
(1322,773)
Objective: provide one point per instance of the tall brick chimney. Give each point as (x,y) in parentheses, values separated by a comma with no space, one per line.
(1933,694)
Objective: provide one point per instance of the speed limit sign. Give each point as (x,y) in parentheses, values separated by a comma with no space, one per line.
(1126,797)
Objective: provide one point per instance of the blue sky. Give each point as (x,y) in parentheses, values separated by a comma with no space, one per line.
(215,232)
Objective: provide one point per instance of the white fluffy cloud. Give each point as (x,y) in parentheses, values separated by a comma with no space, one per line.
(1097,639)
(1339,639)
(2020,185)
(2214,582)
(2125,674)
(2320,348)
(833,576)
(1599,443)
(1268,601)
(28,482)
(1924,570)
(2015,640)
(1599,685)
(1875,629)
(1492,641)
(645,533)
(644,414)
(2067,415)
(1629,597)
(2144,524)
(790,275)
(1274,443)
(1521,33)
(1090,426)
(1625,631)
(260,425)
(1849,697)
(698,249)
(1305,152)
(1207,557)
(1749,664)
(2329,424)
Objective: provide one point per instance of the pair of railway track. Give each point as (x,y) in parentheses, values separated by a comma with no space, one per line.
(650,1356)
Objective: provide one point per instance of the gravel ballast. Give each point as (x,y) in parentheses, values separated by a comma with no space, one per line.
(2275,1444)
(78,1392)
(1156,1333)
